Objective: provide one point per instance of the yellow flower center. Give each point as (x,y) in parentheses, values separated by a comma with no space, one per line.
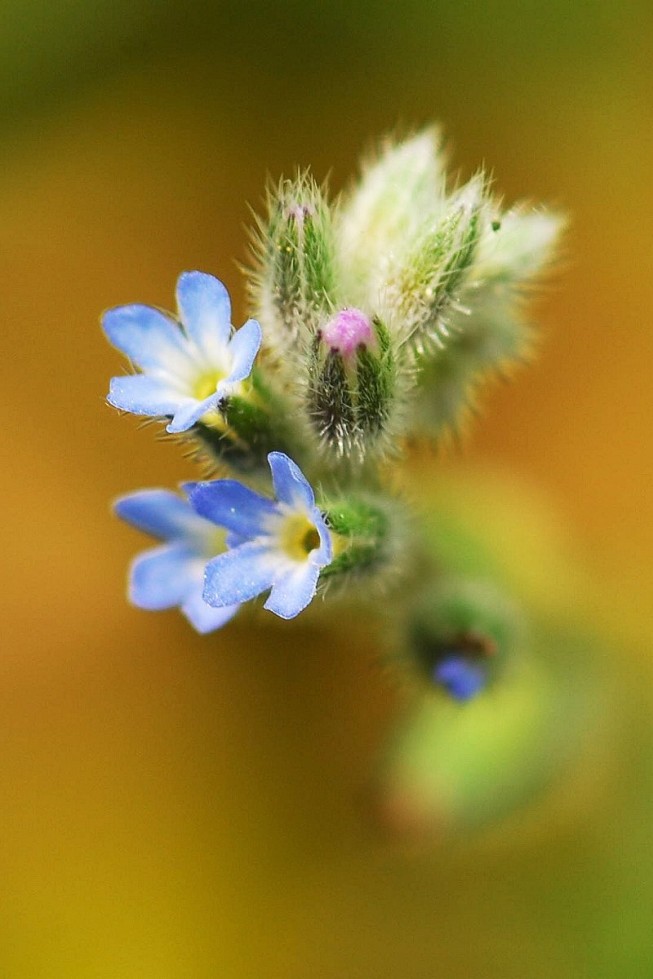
(299,537)
(206,384)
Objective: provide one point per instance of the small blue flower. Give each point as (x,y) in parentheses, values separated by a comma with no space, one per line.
(187,366)
(173,574)
(281,545)
(461,676)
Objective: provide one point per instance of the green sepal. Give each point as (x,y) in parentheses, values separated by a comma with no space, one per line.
(252,426)
(375,374)
(330,405)
(283,257)
(362,530)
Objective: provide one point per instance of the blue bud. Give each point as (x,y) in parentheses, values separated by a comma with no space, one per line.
(460,676)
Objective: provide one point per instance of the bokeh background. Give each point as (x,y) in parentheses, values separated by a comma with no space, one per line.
(173,806)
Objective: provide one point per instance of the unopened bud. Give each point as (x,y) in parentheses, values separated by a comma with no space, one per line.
(295,285)
(398,189)
(351,381)
(422,290)
(347,332)
(461,635)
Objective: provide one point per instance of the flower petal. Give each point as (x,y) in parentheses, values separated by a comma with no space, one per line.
(244,347)
(161,513)
(235,540)
(229,504)
(293,590)
(205,311)
(290,484)
(143,395)
(238,575)
(190,412)
(324,554)
(162,578)
(148,337)
(205,618)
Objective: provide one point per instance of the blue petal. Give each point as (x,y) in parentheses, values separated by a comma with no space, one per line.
(148,337)
(204,309)
(205,618)
(161,513)
(324,554)
(190,412)
(143,395)
(244,347)
(163,577)
(229,504)
(235,540)
(236,576)
(290,484)
(293,591)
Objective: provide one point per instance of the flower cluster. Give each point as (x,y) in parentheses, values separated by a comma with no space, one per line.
(280,544)
(376,319)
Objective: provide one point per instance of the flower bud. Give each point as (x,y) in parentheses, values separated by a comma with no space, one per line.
(461,634)
(295,285)
(382,215)
(487,330)
(351,380)
(422,290)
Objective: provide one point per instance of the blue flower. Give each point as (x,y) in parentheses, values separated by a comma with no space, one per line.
(461,676)
(173,574)
(282,545)
(188,366)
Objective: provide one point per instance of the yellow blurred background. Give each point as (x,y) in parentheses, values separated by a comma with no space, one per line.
(176,806)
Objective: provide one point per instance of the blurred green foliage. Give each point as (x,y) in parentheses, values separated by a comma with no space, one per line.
(342,50)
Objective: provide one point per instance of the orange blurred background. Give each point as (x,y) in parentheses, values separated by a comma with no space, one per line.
(182,806)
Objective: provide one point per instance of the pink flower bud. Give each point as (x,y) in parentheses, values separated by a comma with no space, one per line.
(348,331)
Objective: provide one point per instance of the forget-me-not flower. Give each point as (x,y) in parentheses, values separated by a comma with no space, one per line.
(460,676)
(187,366)
(280,545)
(173,574)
